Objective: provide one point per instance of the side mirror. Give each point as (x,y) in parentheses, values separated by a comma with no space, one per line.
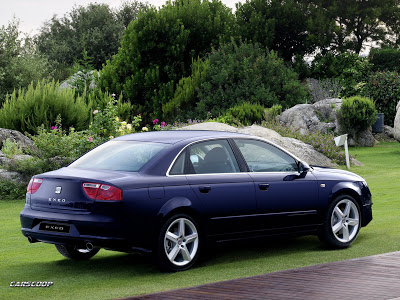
(303,167)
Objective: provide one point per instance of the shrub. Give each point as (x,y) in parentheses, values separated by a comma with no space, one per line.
(26,110)
(387,59)
(323,88)
(10,148)
(247,113)
(384,89)
(158,49)
(271,114)
(246,72)
(357,114)
(350,70)
(10,190)
(235,74)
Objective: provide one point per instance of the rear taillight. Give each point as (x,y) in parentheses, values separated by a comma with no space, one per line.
(98,191)
(34,185)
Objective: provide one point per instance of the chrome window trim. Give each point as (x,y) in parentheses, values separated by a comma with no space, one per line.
(232,138)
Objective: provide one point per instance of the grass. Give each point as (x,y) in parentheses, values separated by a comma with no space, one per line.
(113,275)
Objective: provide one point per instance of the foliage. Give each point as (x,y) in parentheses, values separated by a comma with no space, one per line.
(384,89)
(245,72)
(158,48)
(247,113)
(386,59)
(360,21)
(10,190)
(10,148)
(94,28)
(288,27)
(350,70)
(356,114)
(84,75)
(57,142)
(128,11)
(185,96)
(41,104)
(323,88)
(271,114)
(20,63)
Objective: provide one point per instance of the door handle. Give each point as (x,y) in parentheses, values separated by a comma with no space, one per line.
(263,186)
(204,189)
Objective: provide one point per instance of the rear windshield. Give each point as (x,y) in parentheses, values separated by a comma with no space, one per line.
(119,155)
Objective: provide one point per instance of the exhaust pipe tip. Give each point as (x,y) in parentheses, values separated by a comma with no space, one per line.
(31,239)
(89,246)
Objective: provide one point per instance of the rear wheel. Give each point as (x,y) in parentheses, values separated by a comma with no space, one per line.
(178,244)
(75,253)
(342,222)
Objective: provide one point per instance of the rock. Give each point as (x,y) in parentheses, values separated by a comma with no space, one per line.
(303,151)
(396,129)
(16,136)
(320,116)
(21,157)
(210,126)
(364,139)
(11,176)
(389,131)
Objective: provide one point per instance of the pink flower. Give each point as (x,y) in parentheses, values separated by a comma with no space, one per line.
(95,111)
(163,124)
(90,139)
(53,127)
(155,121)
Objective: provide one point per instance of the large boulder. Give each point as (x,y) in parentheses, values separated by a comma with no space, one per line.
(303,151)
(396,129)
(16,136)
(320,116)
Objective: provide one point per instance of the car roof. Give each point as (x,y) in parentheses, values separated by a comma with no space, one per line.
(175,136)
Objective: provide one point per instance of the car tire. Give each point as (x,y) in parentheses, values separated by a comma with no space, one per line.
(179,242)
(342,222)
(75,253)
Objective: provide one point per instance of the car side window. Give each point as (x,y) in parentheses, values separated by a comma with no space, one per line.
(212,157)
(263,157)
(179,166)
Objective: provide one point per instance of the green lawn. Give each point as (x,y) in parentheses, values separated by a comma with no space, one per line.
(111,274)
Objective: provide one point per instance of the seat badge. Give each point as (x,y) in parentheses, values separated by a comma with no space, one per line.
(58,190)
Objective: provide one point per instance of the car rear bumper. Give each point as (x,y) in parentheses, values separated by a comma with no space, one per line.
(99,230)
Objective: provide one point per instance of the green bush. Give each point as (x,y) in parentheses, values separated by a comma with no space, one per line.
(236,74)
(10,148)
(384,89)
(357,114)
(387,59)
(10,190)
(349,69)
(158,49)
(270,114)
(247,113)
(41,104)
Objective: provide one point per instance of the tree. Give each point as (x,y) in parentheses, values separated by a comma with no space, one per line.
(20,62)
(289,27)
(158,49)
(235,74)
(360,21)
(129,10)
(95,28)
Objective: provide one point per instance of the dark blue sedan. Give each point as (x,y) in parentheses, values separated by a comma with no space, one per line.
(172,192)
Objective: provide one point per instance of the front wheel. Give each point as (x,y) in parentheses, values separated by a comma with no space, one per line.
(342,222)
(75,253)
(178,244)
